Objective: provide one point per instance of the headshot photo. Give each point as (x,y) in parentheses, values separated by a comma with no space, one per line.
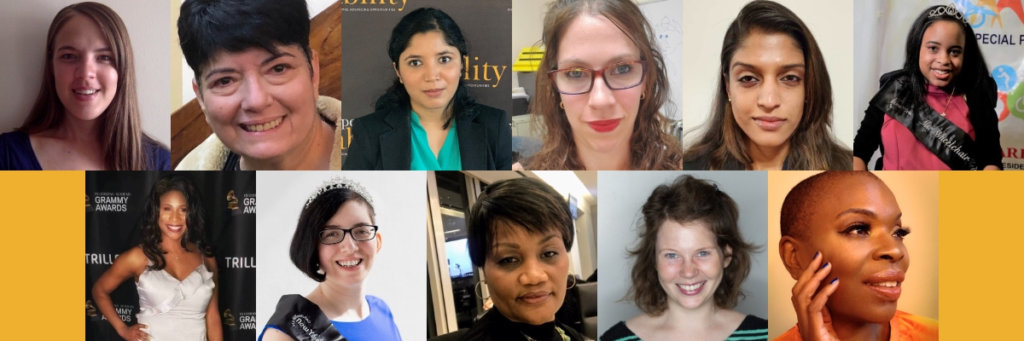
(92,86)
(599,95)
(431,93)
(935,91)
(841,244)
(782,99)
(338,253)
(260,85)
(512,256)
(683,253)
(170,255)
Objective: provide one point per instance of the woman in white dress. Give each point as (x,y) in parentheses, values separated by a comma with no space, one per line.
(173,269)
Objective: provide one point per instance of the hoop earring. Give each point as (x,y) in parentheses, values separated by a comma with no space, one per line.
(319,271)
(561,105)
(478,290)
(643,94)
(573,282)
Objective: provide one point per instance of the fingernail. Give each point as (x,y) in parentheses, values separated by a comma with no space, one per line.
(816,254)
(834,280)
(825,265)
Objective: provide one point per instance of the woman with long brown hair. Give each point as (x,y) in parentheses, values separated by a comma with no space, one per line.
(87,113)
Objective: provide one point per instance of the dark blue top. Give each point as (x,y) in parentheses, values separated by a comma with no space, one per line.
(16,153)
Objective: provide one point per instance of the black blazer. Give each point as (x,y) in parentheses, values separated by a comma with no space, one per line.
(380,141)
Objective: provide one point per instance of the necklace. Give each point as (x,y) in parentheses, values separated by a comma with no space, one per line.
(559,330)
(948,99)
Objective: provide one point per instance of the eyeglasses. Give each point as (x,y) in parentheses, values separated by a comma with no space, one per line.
(334,235)
(579,80)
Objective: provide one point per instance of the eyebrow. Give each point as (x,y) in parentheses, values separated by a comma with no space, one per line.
(751,66)
(619,58)
(516,246)
(442,53)
(864,211)
(105,49)
(270,59)
(931,42)
(359,224)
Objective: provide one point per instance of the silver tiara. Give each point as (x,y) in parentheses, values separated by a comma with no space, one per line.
(948,10)
(336,182)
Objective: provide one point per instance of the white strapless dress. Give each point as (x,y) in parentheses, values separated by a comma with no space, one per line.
(175,310)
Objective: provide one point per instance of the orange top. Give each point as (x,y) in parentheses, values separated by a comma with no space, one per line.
(905,327)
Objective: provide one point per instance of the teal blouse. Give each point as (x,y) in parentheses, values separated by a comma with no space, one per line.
(423,158)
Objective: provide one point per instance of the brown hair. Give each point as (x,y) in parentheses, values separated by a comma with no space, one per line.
(651,147)
(688,199)
(812,145)
(120,135)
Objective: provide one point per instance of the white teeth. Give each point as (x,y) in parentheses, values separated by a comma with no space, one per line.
(691,287)
(350,263)
(262,127)
(86,92)
(890,284)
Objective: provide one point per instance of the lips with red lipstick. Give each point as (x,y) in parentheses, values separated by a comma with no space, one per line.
(262,125)
(535,297)
(769,123)
(604,126)
(886,284)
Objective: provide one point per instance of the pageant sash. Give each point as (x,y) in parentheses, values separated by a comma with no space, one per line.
(947,141)
(303,320)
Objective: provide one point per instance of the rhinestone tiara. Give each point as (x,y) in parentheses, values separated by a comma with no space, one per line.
(336,182)
(948,10)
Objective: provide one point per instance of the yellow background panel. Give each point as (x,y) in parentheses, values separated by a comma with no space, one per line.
(982,220)
(42,254)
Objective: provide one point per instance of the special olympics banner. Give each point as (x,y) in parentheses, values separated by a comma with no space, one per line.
(114,205)
(999,30)
(367,69)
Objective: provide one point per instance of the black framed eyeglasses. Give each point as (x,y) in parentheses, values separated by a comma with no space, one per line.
(334,235)
(579,80)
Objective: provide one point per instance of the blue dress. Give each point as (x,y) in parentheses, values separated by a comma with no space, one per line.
(302,319)
(16,153)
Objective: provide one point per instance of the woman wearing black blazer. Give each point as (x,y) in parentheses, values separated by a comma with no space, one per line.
(427,120)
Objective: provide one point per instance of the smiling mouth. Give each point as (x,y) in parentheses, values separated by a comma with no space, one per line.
(942,74)
(349,264)
(85,92)
(256,128)
(175,228)
(691,289)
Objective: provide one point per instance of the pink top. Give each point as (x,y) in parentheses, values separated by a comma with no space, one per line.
(904,151)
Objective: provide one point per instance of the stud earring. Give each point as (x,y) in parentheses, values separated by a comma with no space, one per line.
(561,105)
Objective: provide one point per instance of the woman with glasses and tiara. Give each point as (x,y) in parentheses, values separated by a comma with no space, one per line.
(599,104)
(335,243)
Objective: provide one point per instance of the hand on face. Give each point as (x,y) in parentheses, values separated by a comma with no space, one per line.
(84,69)
(810,294)
(527,274)
(765,84)
(941,55)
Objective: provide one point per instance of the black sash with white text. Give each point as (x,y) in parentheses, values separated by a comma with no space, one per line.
(947,141)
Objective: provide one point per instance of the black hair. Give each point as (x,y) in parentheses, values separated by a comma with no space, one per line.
(195,229)
(523,203)
(305,243)
(801,200)
(419,21)
(206,27)
(973,72)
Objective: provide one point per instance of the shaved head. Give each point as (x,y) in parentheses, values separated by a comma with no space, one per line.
(802,200)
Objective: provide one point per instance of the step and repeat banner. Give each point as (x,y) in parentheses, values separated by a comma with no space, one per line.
(115,208)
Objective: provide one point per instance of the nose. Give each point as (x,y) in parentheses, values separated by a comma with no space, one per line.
(532,273)
(600,94)
(689,269)
(347,242)
(87,68)
(256,96)
(768,98)
(888,248)
(431,72)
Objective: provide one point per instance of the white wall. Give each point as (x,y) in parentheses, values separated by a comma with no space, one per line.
(398,275)
(624,193)
(704,26)
(23,46)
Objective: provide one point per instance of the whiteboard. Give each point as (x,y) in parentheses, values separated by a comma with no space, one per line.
(666,18)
